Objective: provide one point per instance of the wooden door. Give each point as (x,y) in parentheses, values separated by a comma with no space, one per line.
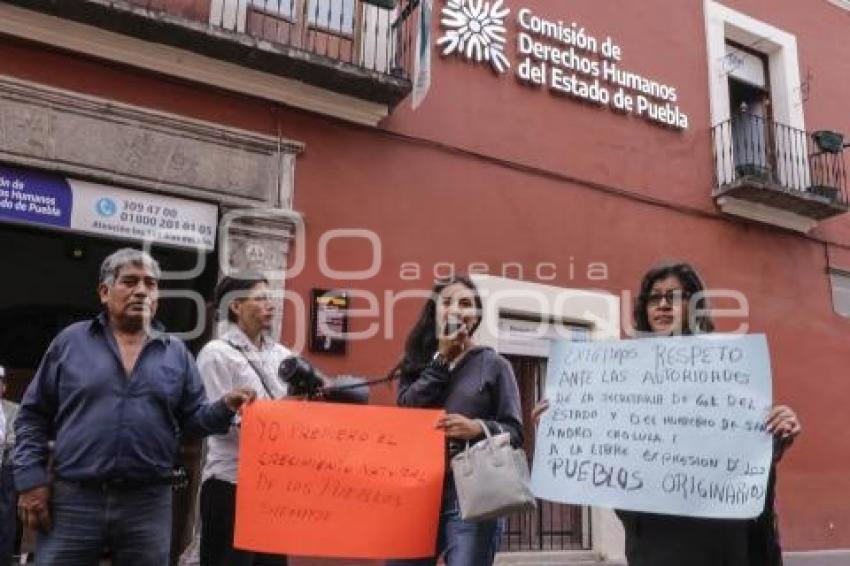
(552,526)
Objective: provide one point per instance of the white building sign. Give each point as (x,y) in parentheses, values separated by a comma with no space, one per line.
(41,198)
(565,58)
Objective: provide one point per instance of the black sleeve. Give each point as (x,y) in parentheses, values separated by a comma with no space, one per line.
(425,388)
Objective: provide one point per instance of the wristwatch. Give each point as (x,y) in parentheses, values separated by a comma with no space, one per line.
(439,361)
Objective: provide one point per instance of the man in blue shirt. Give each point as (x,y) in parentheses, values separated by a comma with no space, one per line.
(114,395)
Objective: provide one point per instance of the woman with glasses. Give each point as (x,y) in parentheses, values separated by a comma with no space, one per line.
(443,368)
(671,302)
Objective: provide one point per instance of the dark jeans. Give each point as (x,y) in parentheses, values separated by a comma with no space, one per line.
(218,512)
(134,524)
(459,542)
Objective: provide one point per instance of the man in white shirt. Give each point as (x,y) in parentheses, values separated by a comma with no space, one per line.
(243,356)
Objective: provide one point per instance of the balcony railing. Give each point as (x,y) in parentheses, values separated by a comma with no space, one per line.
(349,46)
(769,163)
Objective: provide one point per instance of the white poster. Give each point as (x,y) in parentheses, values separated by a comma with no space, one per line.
(662,425)
(110,211)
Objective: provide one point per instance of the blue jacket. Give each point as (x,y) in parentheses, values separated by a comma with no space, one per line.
(105,424)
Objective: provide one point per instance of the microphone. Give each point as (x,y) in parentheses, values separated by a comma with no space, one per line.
(305,380)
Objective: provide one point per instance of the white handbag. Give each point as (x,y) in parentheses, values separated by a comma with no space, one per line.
(491,478)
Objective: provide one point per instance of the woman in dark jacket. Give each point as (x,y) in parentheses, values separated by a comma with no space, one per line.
(443,368)
(671,302)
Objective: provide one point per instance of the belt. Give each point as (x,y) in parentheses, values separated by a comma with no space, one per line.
(127,484)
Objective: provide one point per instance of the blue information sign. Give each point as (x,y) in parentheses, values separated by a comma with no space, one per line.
(34,197)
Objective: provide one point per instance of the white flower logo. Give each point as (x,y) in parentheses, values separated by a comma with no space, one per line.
(475,30)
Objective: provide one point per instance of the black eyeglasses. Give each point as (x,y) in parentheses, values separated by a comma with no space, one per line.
(674,297)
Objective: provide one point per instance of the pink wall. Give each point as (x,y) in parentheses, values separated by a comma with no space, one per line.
(561,180)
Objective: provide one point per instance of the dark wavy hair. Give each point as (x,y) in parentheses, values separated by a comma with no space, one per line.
(422,341)
(692,285)
(231,287)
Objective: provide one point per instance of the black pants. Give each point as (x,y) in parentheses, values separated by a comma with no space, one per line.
(218,512)
(668,540)
(10,529)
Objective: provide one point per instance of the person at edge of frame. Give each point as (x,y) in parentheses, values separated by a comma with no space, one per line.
(9,526)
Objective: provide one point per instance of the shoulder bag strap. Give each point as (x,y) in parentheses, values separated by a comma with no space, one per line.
(254,366)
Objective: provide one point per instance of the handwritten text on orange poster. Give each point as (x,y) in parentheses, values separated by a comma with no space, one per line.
(317,479)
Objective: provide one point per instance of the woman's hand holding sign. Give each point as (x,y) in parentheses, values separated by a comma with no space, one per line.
(459,427)
(783,423)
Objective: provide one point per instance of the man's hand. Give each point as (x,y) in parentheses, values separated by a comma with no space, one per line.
(34,508)
(237,398)
(459,427)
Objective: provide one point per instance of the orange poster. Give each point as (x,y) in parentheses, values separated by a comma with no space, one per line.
(318,479)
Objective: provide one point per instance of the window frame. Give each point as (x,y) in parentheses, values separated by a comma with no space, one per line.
(780,48)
